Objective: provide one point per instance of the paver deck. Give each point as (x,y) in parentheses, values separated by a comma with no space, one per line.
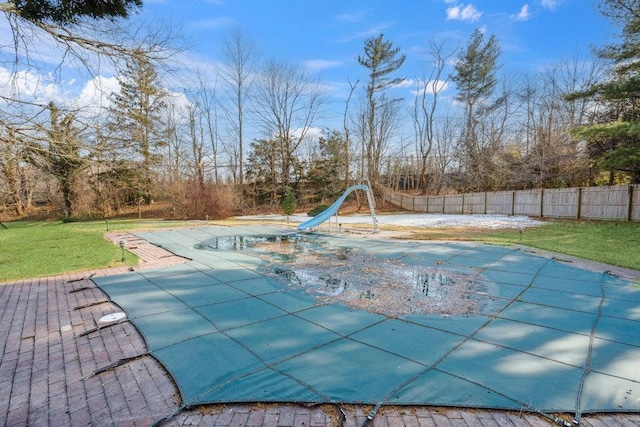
(60,366)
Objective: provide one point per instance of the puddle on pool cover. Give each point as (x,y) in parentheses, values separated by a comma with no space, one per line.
(361,280)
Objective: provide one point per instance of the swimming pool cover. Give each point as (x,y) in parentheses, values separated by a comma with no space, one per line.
(558,338)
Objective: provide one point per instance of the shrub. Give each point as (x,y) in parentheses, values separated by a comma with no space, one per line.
(289,202)
(318,210)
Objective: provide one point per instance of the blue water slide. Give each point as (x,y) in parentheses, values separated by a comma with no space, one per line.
(326,214)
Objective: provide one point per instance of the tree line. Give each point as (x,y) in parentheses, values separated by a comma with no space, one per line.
(572,124)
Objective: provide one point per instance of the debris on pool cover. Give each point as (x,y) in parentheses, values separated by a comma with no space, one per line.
(364,281)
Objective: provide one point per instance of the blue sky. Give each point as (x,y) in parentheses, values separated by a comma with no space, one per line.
(327,35)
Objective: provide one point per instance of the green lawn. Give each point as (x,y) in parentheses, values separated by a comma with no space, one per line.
(615,243)
(35,249)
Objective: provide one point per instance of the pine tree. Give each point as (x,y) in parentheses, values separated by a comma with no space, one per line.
(327,169)
(289,202)
(381,59)
(263,170)
(475,78)
(614,140)
(136,114)
(68,12)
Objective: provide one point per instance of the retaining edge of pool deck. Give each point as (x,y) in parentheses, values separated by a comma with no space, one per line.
(60,366)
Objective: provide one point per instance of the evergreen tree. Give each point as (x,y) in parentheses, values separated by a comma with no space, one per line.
(475,78)
(289,202)
(68,12)
(381,59)
(327,170)
(614,140)
(263,170)
(136,114)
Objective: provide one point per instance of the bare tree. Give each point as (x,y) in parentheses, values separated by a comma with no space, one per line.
(556,157)
(288,100)
(175,161)
(386,127)
(50,36)
(11,157)
(347,131)
(62,158)
(446,135)
(207,105)
(240,63)
(54,33)
(197,149)
(425,106)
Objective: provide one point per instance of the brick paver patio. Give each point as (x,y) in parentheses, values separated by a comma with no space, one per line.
(61,366)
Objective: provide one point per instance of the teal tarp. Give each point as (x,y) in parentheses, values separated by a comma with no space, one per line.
(227,333)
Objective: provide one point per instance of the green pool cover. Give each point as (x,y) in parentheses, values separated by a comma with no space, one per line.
(557,338)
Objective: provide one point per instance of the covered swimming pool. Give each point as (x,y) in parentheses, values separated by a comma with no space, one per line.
(262,314)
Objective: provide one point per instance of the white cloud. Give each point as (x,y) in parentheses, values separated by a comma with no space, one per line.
(431,87)
(321,64)
(463,13)
(523,15)
(550,4)
(94,96)
(310,133)
(405,83)
(29,86)
(213,24)
(350,17)
(374,31)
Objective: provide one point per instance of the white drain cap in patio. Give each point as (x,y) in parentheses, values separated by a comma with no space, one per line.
(113,317)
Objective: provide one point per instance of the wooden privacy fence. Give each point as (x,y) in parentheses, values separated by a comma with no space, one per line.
(620,202)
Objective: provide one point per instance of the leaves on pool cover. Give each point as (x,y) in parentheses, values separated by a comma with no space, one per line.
(364,281)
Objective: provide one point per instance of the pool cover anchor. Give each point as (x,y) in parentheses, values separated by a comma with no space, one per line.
(80,280)
(118,362)
(372,413)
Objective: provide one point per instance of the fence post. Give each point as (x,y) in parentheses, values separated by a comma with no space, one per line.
(462,207)
(444,200)
(541,202)
(579,202)
(513,203)
(485,203)
(630,203)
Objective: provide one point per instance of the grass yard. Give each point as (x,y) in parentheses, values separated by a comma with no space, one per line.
(615,243)
(35,249)
(44,248)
